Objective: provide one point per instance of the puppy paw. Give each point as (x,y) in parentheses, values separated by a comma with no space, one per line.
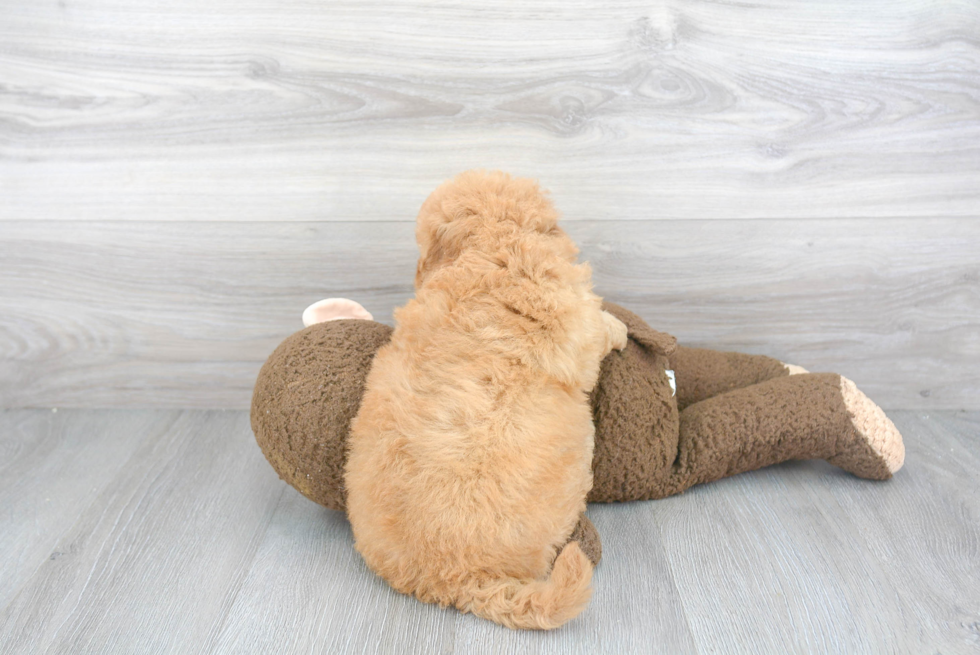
(616,332)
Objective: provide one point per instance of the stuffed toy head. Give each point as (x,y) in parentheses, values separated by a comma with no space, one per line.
(306,395)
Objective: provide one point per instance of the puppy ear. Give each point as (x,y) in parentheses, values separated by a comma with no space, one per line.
(441,231)
(430,235)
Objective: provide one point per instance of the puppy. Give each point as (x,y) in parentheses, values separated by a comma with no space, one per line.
(471,456)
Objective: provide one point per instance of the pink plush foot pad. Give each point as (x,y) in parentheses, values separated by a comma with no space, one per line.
(872,424)
(875,433)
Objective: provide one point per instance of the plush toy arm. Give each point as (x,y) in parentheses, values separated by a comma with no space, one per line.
(703,374)
(812,416)
(588,539)
(659,343)
(700,373)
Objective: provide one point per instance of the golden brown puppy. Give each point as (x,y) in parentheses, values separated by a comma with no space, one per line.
(471,456)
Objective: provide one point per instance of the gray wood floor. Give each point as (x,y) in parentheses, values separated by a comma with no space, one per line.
(165,531)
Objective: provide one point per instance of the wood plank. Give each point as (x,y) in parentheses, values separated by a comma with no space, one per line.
(120,314)
(195,546)
(962,426)
(156,314)
(308,590)
(52,467)
(935,573)
(893,305)
(154,564)
(355,110)
(629,612)
(803,557)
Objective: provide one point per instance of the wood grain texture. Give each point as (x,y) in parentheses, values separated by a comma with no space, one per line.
(350,111)
(309,591)
(803,557)
(52,467)
(194,546)
(153,564)
(121,314)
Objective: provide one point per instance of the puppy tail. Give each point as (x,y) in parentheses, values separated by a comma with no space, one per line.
(536,604)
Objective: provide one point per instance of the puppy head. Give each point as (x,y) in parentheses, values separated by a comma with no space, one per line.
(478,209)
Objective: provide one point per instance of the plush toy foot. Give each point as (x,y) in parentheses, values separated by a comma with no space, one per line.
(877,450)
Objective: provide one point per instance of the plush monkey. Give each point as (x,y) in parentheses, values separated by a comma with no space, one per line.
(666,417)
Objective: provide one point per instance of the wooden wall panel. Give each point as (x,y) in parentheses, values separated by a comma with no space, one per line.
(178,181)
(348,111)
(120,314)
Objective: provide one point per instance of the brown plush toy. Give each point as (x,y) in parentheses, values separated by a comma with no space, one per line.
(727,413)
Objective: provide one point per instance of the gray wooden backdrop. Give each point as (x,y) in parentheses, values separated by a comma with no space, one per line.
(179,180)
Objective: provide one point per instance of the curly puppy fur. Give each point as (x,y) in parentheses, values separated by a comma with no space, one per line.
(471,457)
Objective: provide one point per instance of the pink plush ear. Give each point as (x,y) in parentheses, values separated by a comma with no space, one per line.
(333,309)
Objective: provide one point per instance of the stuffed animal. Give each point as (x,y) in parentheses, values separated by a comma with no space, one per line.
(666,417)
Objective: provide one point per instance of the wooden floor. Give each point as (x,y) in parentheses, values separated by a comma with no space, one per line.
(164,531)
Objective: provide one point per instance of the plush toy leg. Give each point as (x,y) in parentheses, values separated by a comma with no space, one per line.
(703,374)
(811,416)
